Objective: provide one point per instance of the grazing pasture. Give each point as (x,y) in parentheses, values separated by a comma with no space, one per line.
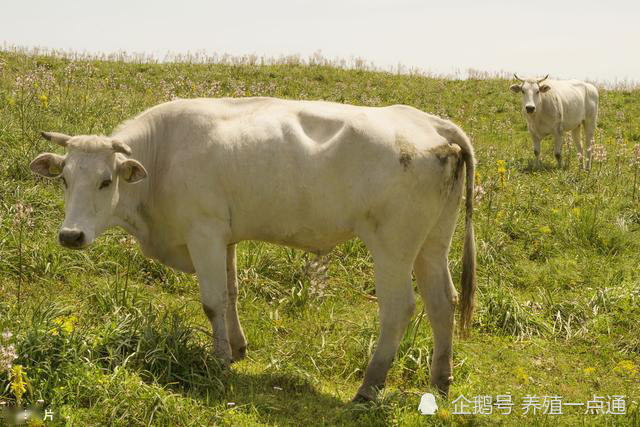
(106,336)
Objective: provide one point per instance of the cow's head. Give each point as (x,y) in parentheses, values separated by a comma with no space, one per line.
(91,173)
(531,90)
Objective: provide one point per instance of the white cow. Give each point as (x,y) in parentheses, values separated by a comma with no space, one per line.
(308,174)
(553,107)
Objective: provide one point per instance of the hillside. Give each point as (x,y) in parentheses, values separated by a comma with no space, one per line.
(106,336)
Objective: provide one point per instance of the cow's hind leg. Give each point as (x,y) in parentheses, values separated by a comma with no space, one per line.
(237,339)
(440,298)
(437,291)
(396,306)
(575,134)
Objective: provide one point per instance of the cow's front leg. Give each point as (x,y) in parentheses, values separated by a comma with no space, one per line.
(557,149)
(208,251)
(237,339)
(536,148)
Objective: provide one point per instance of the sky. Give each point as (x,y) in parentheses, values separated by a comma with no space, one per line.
(585,39)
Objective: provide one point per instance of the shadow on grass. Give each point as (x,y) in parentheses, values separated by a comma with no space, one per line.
(531,166)
(284,399)
(164,349)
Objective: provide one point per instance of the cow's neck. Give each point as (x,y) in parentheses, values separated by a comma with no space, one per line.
(130,214)
(131,211)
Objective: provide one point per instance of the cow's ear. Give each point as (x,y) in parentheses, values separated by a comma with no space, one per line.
(545,88)
(48,165)
(515,88)
(131,171)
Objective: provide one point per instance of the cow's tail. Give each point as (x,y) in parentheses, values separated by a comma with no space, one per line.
(457,136)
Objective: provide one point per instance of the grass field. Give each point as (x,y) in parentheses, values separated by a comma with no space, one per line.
(106,336)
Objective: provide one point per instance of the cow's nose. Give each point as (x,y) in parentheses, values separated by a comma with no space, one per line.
(71,238)
(530,108)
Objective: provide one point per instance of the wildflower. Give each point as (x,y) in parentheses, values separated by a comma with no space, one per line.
(44,100)
(443,414)
(479,193)
(589,371)
(22,215)
(576,211)
(545,229)
(554,211)
(7,356)
(635,155)
(64,324)
(127,241)
(18,378)
(599,153)
(6,334)
(501,171)
(522,376)
(626,368)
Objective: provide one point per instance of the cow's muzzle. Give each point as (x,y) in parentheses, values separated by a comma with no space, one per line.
(530,108)
(71,238)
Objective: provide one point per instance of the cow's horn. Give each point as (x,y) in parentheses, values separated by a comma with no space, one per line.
(59,138)
(518,78)
(120,147)
(545,78)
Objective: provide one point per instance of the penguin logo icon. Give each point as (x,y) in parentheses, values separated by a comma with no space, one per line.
(428,404)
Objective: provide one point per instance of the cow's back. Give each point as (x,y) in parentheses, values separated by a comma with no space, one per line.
(301,173)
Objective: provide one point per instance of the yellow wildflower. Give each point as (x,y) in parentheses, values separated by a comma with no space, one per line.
(65,324)
(18,378)
(44,100)
(576,211)
(545,229)
(589,371)
(443,414)
(501,171)
(626,368)
(522,376)
(554,211)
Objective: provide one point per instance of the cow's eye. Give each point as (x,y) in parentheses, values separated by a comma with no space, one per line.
(105,183)
(64,182)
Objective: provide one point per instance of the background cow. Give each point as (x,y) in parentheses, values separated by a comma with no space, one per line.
(213,172)
(552,107)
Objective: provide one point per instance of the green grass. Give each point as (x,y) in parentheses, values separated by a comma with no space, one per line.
(107,336)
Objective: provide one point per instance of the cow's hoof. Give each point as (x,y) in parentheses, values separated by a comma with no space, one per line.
(223,360)
(361,398)
(239,354)
(442,385)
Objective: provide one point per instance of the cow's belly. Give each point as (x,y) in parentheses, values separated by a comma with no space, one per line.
(309,237)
